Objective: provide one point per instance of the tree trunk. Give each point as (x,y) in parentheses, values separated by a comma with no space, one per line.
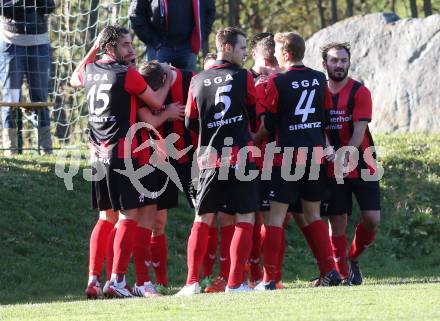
(92,21)
(334,11)
(427,8)
(234,18)
(413,6)
(321,13)
(393,6)
(349,12)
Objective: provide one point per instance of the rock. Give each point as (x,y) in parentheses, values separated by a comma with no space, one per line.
(398,60)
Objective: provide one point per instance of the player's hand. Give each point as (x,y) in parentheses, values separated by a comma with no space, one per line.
(175,111)
(329,153)
(262,79)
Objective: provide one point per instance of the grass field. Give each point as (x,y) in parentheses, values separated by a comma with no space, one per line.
(44,232)
(380,302)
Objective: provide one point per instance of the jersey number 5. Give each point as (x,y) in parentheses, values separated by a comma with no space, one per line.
(220,97)
(102,94)
(308,109)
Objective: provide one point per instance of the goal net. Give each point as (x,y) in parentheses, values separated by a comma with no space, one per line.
(73,27)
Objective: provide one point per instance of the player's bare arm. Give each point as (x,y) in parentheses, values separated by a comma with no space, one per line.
(174,111)
(90,57)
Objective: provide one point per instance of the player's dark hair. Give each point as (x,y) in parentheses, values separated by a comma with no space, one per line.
(153,74)
(292,43)
(258,37)
(110,35)
(228,35)
(210,56)
(335,45)
(266,47)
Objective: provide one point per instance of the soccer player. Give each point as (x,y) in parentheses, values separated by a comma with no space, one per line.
(154,73)
(265,63)
(112,87)
(348,126)
(295,104)
(220,109)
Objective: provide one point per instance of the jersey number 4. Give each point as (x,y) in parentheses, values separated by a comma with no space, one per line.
(308,109)
(220,97)
(101,94)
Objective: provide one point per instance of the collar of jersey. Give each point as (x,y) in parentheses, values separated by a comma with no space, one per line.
(298,67)
(221,64)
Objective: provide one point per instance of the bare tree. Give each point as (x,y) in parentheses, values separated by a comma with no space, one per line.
(413,6)
(234,17)
(393,6)
(334,11)
(427,7)
(349,12)
(92,21)
(321,13)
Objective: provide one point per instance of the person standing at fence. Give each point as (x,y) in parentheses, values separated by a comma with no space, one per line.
(173,31)
(25,50)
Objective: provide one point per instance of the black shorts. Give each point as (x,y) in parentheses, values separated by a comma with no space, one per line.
(169,198)
(116,191)
(264,187)
(296,207)
(312,190)
(212,193)
(367,194)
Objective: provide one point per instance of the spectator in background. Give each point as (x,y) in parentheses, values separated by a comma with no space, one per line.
(25,50)
(174,31)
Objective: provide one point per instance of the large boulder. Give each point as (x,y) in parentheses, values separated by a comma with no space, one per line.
(398,60)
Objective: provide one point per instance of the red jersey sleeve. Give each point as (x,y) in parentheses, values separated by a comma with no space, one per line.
(134,82)
(270,101)
(260,89)
(363,105)
(328,103)
(251,94)
(191,113)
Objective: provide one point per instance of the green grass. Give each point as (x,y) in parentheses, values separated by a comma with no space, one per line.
(44,231)
(383,302)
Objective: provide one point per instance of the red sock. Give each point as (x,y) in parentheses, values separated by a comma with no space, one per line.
(98,242)
(159,255)
(271,249)
(140,254)
(109,255)
(211,253)
(362,239)
(123,245)
(320,244)
(255,257)
(339,245)
(241,246)
(197,245)
(279,269)
(226,233)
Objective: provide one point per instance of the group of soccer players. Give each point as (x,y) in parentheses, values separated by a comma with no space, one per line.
(240,136)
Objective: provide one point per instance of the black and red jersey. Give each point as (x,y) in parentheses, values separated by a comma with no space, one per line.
(111,90)
(179,93)
(351,104)
(295,107)
(221,105)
